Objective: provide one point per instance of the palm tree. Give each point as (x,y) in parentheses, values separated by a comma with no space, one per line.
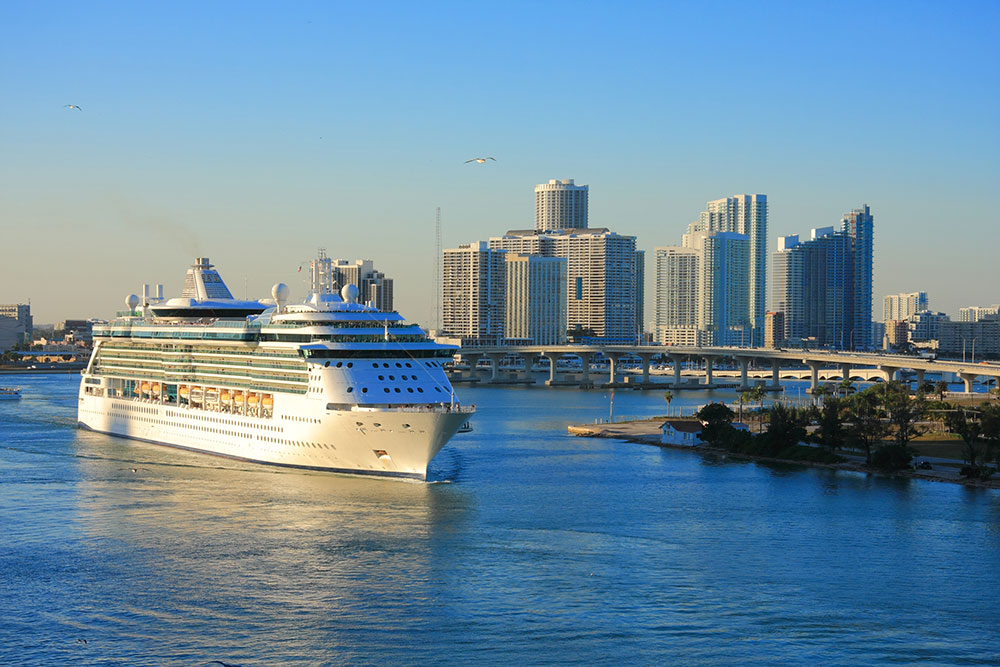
(847,386)
(668,396)
(940,387)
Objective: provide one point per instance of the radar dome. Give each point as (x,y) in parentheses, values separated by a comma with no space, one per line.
(350,293)
(131,301)
(280,292)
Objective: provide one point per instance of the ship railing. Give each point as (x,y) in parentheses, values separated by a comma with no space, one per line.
(433,408)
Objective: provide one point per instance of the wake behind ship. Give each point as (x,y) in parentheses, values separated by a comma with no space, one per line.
(328,384)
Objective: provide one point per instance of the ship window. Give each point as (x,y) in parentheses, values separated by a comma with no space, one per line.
(350,389)
(327,364)
(381,377)
(339,364)
(374,365)
(377,425)
(364,390)
(398,365)
(420,389)
(386,390)
(350,364)
(409,389)
(408,365)
(406,426)
(397,390)
(392,377)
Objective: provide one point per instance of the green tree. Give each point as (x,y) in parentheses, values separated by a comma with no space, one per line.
(989,419)
(832,433)
(940,387)
(926,387)
(905,413)
(785,428)
(717,427)
(970,430)
(866,427)
(846,386)
(668,396)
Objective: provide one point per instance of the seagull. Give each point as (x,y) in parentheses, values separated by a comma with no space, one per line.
(81,641)
(73,106)
(480,160)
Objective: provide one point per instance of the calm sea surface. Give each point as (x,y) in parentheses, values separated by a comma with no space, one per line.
(529,546)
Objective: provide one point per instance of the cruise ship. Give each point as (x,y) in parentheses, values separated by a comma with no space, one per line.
(328,384)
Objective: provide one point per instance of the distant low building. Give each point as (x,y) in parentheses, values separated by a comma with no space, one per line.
(15,325)
(971,340)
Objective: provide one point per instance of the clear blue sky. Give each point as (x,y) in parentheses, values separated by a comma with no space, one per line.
(256,132)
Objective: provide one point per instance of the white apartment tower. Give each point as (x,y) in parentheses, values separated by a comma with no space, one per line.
(746,215)
(536,299)
(560,205)
(473,293)
(677,280)
(902,306)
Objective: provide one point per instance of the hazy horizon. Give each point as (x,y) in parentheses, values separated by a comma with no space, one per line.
(254,134)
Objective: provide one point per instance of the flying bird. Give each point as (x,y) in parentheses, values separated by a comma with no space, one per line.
(73,106)
(480,160)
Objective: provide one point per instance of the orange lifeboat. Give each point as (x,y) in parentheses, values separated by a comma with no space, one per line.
(267,401)
(145,387)
(252,400)
(183,391)
(225,396)
(196,394)
(155,387)
(238,397)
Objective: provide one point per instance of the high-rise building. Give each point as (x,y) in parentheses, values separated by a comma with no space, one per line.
(724,307)
(746,215)
(601,269)
(560,205)
(971,340)
(897,334)
(677,280)
(536,299)
(774,329)
(901,306)
(976,313)
(473,284)
(860,226)
(821,286)
(16,325)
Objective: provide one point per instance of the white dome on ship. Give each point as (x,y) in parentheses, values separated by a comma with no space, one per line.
(131,301)
(350,293)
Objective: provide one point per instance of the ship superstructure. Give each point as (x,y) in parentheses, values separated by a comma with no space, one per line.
(329,384)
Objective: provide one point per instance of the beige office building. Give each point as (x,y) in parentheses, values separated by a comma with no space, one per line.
(536,299)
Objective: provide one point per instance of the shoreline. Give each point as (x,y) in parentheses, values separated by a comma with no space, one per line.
(646,432)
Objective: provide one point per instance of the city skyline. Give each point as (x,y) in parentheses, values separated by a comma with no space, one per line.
(255,139)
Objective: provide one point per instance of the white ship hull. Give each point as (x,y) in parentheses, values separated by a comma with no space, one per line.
(393,442)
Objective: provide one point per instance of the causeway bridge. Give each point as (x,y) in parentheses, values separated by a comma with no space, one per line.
(814,360)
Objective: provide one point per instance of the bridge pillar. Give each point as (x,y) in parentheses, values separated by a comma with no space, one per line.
(775,374)
(473,359)
(585,358)
(744,367)
(676,361)
(920,378)
(890,372)
(646,358)
(529,361)
(968,379)
(709,362)
(813,375)
(845,371)
(613,359)
(495,358)
(552,357)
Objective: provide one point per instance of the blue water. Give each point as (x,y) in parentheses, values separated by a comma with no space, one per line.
(529,547)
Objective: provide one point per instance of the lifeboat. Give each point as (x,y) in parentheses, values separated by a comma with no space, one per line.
(252,400)
(145,387)
(267,401)
(225,397)
(211,395)
(183,391)
(196,394)
(155,387)
(238,397)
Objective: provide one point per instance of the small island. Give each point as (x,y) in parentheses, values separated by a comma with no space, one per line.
(884,429)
